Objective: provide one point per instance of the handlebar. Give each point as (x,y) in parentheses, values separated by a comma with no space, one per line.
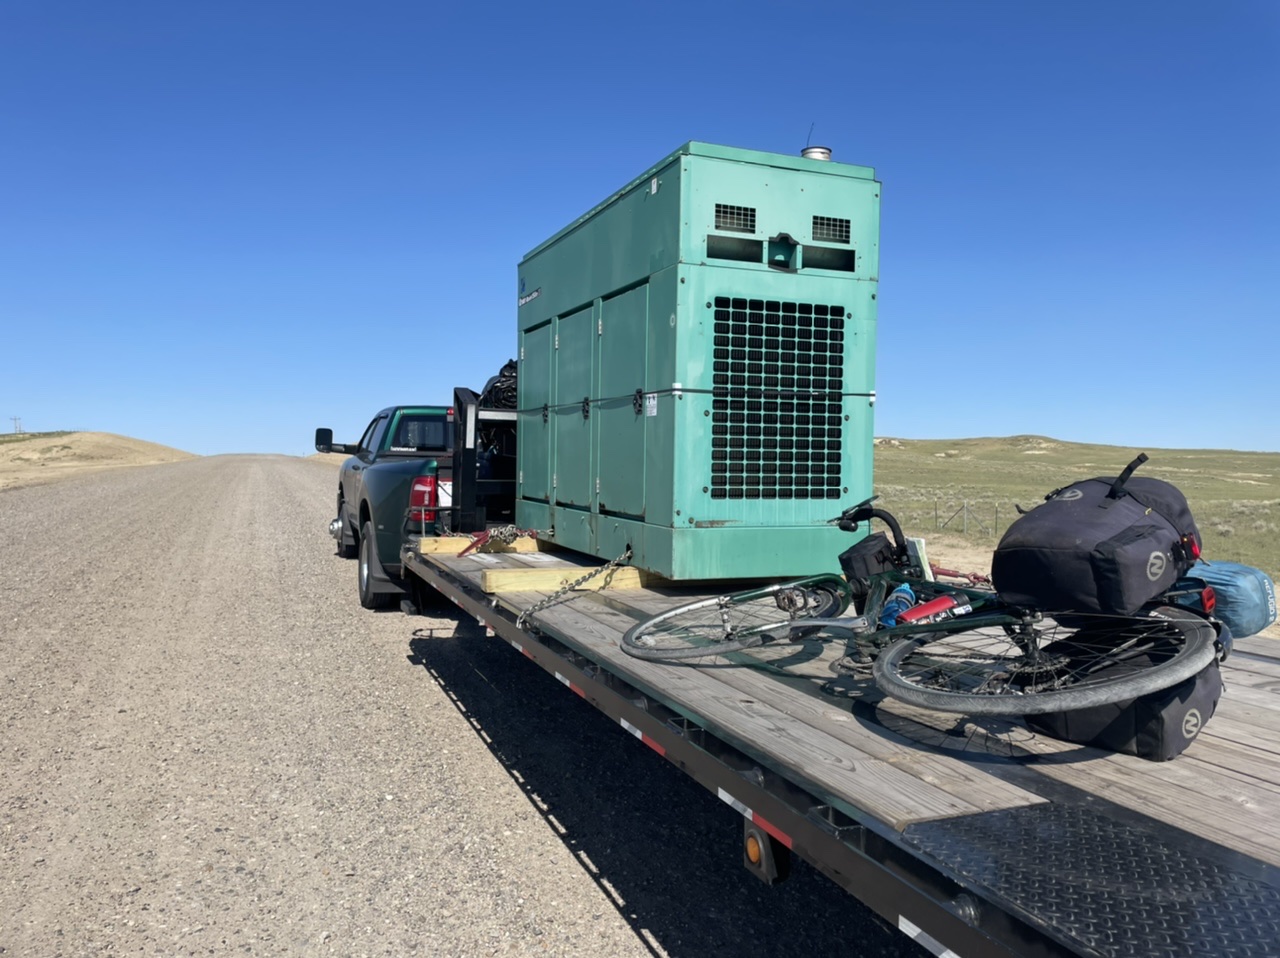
(854,516)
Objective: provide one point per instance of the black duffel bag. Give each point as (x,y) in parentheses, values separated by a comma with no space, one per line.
(1100,545)
(1157,726)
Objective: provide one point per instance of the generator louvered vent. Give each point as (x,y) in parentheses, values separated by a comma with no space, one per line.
(735,219)
(830,229)
(777,379)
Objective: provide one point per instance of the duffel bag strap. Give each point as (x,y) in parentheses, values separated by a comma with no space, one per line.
(1117,487)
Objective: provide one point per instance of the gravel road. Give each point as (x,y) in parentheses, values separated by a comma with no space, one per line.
(208,748)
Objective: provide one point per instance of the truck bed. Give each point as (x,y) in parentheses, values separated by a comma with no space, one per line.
(974,836)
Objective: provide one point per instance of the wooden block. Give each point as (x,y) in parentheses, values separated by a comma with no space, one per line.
(549,580)
(452,545)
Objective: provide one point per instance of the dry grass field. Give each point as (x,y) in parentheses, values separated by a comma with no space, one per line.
(1235,496)
(33,458)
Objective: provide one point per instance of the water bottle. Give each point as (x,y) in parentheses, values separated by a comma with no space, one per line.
(900,599)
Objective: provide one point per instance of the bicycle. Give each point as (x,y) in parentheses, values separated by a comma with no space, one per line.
(978,656)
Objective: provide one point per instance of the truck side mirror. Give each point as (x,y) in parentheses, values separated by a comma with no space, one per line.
(324,440)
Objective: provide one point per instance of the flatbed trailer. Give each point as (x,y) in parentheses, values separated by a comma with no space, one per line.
(974,837)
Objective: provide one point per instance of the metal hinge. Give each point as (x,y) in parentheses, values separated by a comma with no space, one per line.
(597,485)
(521,354)
(557,345)
(553,479)
(520,477)
(600,326)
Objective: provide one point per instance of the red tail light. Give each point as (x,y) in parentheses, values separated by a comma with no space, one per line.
(1208,599)
(422,497)
(1193,546)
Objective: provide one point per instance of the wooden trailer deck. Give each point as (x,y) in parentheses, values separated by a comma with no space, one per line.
(968,794)
(904,764)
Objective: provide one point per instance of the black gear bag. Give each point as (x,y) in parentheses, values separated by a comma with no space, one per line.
(1100,545)
(1157,726)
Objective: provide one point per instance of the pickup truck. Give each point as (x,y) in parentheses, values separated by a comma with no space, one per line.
(397,478)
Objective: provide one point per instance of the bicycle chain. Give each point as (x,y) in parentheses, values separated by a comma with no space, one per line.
(564,590)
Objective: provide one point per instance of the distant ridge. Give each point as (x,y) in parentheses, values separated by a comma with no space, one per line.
(32,458)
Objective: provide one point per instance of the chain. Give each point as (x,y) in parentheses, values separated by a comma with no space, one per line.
(564,590)
(507,535)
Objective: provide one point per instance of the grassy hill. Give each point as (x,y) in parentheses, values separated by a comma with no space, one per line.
(31,458)
(1235,496)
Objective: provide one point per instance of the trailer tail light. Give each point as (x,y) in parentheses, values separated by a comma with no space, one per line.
(422,499)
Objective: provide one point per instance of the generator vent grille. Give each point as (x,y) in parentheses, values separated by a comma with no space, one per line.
(735,219)
(830,229)
(776,411)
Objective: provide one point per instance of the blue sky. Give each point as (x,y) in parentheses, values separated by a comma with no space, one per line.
(224,224)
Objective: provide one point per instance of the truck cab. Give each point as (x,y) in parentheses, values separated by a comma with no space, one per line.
(392,486)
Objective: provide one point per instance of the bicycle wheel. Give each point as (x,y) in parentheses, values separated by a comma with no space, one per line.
(1045,666)
(743,620)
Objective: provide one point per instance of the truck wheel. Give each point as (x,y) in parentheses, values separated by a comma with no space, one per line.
(346,549)
(364,571)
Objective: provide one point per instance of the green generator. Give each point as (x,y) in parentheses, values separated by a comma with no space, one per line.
(697,366)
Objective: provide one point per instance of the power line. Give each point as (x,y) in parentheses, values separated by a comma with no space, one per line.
(17,423)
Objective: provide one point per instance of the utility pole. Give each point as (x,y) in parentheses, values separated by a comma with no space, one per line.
(17,423)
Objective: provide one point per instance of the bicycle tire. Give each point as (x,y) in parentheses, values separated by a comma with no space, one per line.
(1109,659)
(703,628)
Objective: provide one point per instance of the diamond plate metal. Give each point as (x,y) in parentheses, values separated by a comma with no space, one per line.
(1109,886)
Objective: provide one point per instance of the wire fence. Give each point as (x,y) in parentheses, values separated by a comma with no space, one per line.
(965,517)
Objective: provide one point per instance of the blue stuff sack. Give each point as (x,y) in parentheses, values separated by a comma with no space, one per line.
(1246,596)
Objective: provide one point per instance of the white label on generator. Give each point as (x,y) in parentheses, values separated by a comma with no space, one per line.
(651,404)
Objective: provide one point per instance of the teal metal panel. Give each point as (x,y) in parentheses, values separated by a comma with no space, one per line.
(660,429)
(573,474)
(739,288)
(534,433)
(621,426)
(635,234)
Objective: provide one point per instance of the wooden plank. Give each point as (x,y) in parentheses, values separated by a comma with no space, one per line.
(1232,746)
(832,717)
(1228,795)
(1252,670)
(1258,645)
(1257,707)
(452,545)
(540,572)
(835,768)
(527,579)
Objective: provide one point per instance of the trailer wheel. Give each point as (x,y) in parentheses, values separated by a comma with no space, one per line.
(369,598)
